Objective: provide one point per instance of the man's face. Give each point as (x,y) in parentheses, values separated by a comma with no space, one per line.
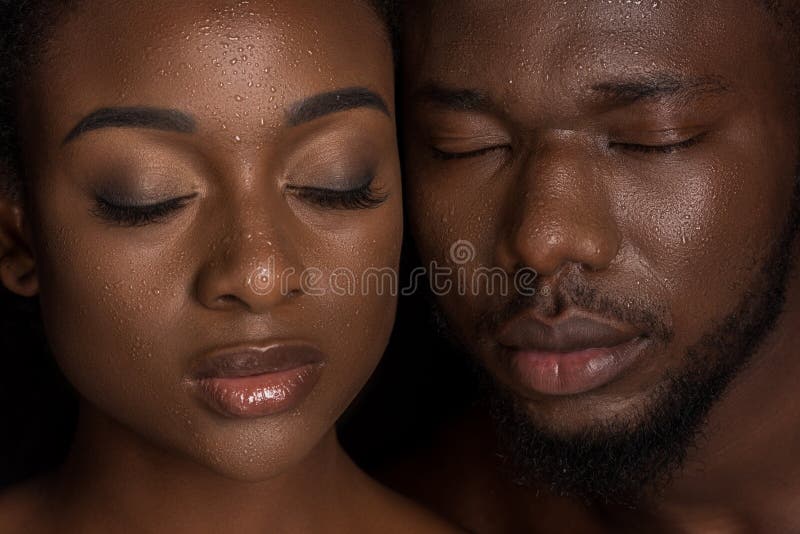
(641,158)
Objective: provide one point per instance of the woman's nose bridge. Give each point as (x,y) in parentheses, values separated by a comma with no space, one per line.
(253,255)
(260,230)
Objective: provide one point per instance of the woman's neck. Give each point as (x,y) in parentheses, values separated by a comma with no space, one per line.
(114,477)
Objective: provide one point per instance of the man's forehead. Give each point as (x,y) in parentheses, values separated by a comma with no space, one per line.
(575,46)
(577,28)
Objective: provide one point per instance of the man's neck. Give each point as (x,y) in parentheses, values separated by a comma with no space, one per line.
(743,471)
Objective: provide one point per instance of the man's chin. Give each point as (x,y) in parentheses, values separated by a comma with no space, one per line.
(586,414)
(618,405)
(592,447)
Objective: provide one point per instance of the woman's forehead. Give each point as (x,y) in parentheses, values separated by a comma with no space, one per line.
(219,61)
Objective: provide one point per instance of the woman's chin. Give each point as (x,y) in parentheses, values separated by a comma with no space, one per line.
(256,455)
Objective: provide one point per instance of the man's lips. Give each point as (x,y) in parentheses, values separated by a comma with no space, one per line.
(257,380)
(569,355)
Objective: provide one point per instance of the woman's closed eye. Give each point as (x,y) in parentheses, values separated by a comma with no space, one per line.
(128,214)
(365,196)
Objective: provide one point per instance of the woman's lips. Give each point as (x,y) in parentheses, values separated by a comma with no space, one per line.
(569,356)
(256,381)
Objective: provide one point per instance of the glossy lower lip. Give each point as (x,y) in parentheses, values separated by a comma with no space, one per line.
(572,373)
(259,395)
(252,381)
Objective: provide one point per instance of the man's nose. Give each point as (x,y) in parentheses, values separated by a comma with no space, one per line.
(559,213)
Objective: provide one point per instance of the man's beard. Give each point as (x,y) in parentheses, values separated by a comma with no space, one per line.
(621,461)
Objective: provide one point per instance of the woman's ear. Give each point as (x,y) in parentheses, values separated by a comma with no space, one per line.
(17,263)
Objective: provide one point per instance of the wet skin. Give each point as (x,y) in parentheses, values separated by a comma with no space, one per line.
(263,134)
(641,158)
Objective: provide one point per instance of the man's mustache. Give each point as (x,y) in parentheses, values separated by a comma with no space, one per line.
(572,290)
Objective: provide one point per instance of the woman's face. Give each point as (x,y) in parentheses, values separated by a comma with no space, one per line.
(212,177)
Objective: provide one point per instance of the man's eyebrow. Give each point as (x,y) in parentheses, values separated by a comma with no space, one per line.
(323,104)
(629,91)
(134,117)
(453,99)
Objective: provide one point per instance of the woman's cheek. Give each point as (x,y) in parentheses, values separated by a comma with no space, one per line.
(361,284)
(100,317)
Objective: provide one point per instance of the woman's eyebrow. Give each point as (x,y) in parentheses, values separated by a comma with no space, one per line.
(323,104)
(134,117)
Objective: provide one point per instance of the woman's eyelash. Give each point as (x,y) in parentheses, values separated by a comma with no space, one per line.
(444,155)
(363,197)
(126,215)
(657,149)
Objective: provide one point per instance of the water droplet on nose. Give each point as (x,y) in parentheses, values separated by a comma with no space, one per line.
(238,98)
(237,138)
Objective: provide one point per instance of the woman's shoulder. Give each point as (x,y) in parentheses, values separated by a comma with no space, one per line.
(21,508)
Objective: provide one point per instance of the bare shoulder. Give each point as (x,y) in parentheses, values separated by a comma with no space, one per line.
(22,507)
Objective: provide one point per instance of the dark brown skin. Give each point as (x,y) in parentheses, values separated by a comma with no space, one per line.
(555,191)
(126,308)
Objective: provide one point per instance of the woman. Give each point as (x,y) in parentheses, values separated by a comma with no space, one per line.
(189,189)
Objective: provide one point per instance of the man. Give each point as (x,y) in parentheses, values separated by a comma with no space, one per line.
(641,157)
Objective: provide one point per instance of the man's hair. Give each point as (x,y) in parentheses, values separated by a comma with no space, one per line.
(25,27)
